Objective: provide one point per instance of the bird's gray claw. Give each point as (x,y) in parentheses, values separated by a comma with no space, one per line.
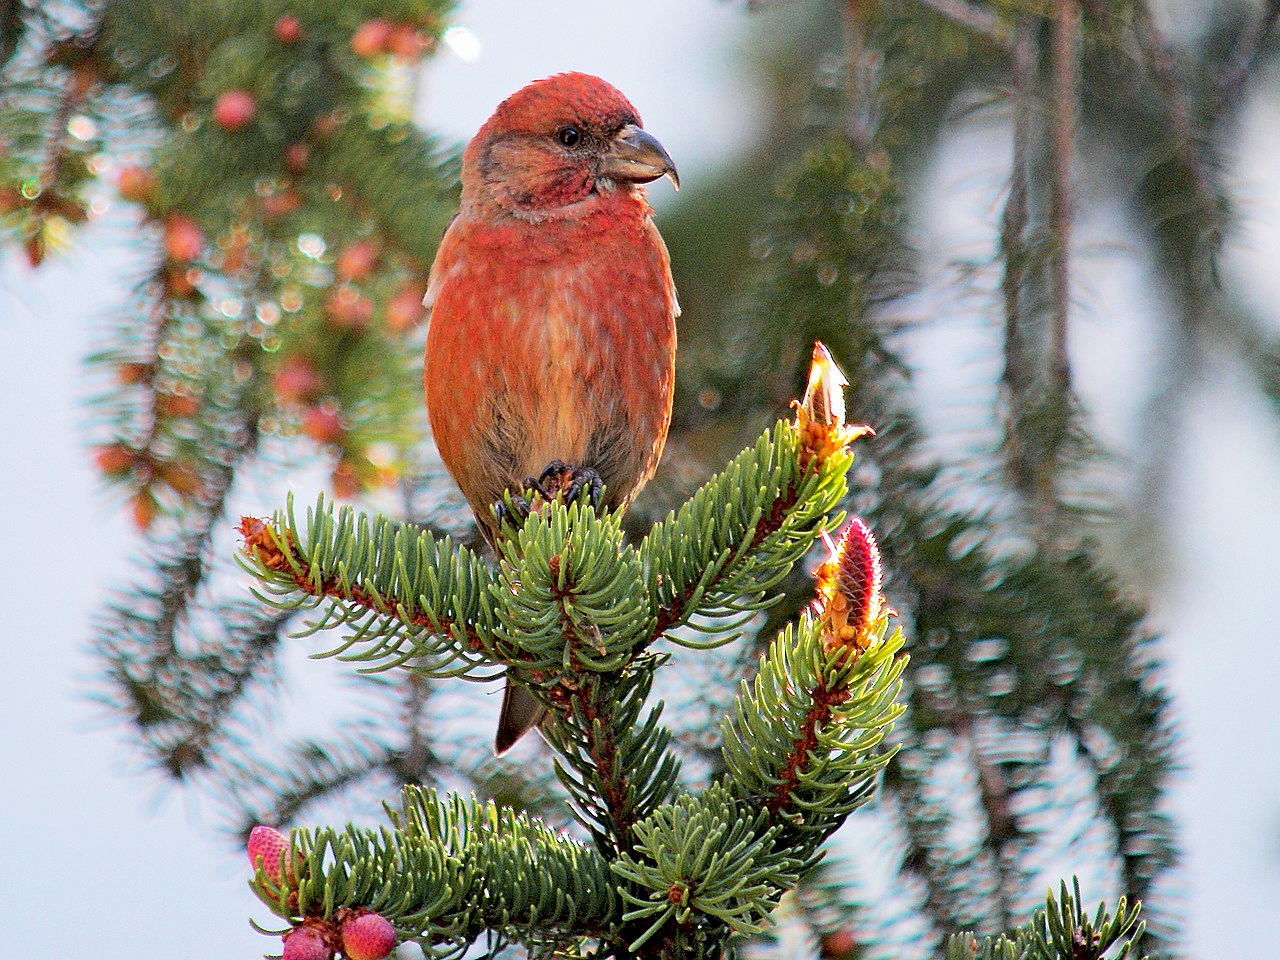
(552,479)
(585,480)
(515,514)
(570,483)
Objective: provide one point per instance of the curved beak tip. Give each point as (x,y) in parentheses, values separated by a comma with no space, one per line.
(636,155)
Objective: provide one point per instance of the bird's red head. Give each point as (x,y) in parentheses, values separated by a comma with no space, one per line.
(556,143)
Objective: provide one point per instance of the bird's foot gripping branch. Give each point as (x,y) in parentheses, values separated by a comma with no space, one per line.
(573,612)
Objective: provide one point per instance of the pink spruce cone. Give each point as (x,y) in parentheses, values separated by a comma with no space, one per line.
(849,601)
(266,844)
(306,943)
(369,936)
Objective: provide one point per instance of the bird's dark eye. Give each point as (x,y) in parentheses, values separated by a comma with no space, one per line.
(569,136)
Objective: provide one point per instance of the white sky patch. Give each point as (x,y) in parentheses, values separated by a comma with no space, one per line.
(464,44)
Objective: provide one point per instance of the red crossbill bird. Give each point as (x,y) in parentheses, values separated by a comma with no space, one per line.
(551,343)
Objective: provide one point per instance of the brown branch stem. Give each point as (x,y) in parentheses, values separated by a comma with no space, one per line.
(1016,376)
(670,617)
(1065,41)
(824,700)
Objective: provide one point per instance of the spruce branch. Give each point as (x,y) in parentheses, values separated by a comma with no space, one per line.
(752,522)
(1004,834)
(1018,374)
(704,866)
(568,611)
(447,870)
(1061,930)
(573,617)
(974,18)
(406,595)
(1234,74)
(303,772)
(1188,142)
(569,597)
(800,752)
(928,817)
(742,532)
(613,759)
(803,739)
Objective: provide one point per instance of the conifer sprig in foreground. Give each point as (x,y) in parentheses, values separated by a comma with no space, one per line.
(573,612)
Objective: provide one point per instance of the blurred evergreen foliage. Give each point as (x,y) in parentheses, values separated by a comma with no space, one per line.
(290,211)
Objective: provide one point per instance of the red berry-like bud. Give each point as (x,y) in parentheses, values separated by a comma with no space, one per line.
(183,240)
(116,460)
(405,308)
(136,184)
(288,29)
(408,43)
(371,38)
(131,373)
(297,381)
(276,205)
(145,509)
(370,936)
(177,406)
(265,846)
(234,110)
(296,158)
(181,478)
(327,125)
(323,425)
(235,256)
(838,945)
(181,284)
(357,261)
(306,943)
(348,310)
(345,480)
(36,248)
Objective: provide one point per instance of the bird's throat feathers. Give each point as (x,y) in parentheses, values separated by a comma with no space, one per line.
(545,191)
(578,230)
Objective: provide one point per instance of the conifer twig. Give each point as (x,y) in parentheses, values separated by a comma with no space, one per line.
(973,18)
(261,543)
(1166,76)
(1231,80)
(608,769)
(824,698)
(676,613)
(1016,377)
(1002,826)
